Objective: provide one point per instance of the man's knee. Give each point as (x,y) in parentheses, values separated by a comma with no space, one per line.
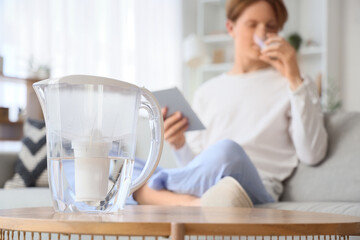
(230,147)
(230,151)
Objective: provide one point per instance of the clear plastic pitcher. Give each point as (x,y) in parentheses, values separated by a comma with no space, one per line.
(91,139)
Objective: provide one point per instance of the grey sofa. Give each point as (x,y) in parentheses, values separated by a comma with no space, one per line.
(333,186)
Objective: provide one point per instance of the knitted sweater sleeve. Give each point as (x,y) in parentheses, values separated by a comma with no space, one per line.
(307,124)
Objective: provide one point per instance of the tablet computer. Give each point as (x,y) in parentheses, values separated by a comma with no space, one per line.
(175,101)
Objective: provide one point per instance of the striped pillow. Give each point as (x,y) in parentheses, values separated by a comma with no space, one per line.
(31,166)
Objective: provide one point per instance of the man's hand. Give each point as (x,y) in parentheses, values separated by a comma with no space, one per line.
(282,56)
(174,128)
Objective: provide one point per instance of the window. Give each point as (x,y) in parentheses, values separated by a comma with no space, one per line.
(136,41)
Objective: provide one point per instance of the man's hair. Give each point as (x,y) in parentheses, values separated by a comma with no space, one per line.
(234,8)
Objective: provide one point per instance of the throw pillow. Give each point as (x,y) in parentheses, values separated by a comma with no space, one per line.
(31,166)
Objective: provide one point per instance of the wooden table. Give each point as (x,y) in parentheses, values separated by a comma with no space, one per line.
(178,222)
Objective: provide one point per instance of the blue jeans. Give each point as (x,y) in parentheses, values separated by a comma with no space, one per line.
(225,158)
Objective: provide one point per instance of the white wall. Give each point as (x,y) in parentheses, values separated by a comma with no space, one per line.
(351,55)
(189,13)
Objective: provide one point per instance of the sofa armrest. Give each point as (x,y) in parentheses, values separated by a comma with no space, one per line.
(7,166)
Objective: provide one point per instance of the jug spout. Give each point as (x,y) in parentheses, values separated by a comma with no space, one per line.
(39,88)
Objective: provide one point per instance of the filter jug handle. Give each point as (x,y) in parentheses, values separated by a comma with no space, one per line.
(157,139)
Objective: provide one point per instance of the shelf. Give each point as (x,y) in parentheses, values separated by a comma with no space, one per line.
(216,67)
(315,50)
(215,38)
(11,130)
(28,78)
(212,1)
(10,146)
(33,107)
(7,122)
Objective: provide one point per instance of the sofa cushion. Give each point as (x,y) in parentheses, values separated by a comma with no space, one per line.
(7,166)
(25,197)
(30,170)
(347,208)
(337,178)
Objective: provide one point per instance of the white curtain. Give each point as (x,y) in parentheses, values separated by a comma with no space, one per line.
(158,35)
(138,41)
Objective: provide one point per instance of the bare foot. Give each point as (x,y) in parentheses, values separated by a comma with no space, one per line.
(195,202)
(188,200)
(147,196)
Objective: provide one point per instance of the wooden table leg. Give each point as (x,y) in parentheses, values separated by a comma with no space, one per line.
(177,231)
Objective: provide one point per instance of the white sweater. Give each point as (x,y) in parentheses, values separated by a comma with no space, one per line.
(275,126)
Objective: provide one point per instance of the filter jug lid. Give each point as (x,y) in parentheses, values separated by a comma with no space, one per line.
(87,79)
